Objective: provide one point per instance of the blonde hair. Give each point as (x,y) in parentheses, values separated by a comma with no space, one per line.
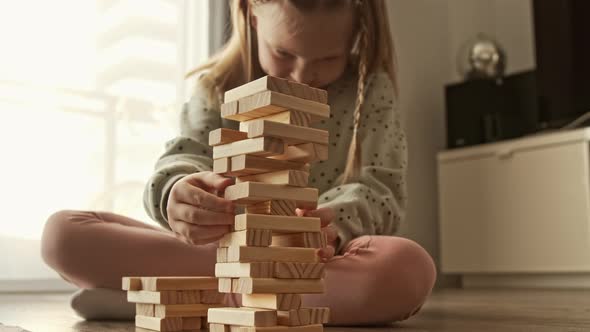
(373,50)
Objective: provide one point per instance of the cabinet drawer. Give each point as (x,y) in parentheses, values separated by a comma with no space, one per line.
(524,211)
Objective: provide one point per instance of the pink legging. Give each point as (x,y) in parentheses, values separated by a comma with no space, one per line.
(377,279)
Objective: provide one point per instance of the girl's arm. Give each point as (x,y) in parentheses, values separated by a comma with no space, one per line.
(186,154)
(375,203)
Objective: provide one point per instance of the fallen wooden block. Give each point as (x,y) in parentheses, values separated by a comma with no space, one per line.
(171,324)
(260,146)
(236,270)
(279,328)
(270,102)
(304,153)
(221,136)
(182,310)
(251,192)
(294,317)
(320,315)
(294,270)
(288,117)
(225,285)
(270,83)
(145,309)
(285,301)
(277,224)
(222,255)
(249,237)
(164,297)
(279,207)
(285,177)
(304,240)
(272,285)
(242,316)
(169,283)
(289,134)
(243,254)
(242,165)
(211,296)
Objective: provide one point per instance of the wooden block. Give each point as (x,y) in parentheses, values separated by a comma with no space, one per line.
(289,134)
(285,301)
(178,283)
(304,240)
(293,270)
(182,310)
(225,285)
(145,309)
(271,83)
(272,285)
(211,296)
(243,316)
(249,165)
(294,317)
(222,165)
(268,103)
(289,117)
(320,315)
(279,207)
(164,297)
(131,283)
(279,328)
(236,270)
(273,254)
(260,146)
(221,255)
(221,136)
(286,177)
(277,224)
(305,153)
(251,192)
(249,237)
(159,324)
(214,327)
(230,107)
(191,323)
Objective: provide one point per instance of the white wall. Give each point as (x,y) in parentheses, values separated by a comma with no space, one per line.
(428,34)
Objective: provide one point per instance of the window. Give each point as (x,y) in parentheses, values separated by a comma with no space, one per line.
(88,96)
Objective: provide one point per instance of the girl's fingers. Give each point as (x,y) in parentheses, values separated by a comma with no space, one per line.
(211,181)
(197,234)
(331,233)
(325,214)
(195,215)
(326,253)
(200,198)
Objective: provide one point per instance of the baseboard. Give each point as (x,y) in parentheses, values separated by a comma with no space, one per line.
(35,285)
(563,281)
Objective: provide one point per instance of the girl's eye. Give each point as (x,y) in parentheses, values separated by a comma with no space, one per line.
(283,54)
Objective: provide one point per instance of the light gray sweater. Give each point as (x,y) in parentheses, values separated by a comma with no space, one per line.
(374,205)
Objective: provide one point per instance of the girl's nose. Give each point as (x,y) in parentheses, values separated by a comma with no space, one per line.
(304,74)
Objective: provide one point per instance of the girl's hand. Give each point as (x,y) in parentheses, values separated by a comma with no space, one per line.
(196,212)
(326,216)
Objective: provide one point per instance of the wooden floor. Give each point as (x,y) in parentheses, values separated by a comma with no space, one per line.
(447,310)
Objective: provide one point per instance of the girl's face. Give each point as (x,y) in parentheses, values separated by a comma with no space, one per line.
(311,48)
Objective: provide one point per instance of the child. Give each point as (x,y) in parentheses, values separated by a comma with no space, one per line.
(343,46)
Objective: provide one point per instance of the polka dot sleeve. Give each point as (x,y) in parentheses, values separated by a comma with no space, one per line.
(375,203)
(186,154)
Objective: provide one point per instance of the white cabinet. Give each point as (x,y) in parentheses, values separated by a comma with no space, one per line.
(520,206)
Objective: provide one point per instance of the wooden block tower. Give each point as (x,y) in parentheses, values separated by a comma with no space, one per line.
(172,303)
(270,257)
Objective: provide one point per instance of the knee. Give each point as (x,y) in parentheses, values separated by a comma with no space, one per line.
(58,233)
(406,274)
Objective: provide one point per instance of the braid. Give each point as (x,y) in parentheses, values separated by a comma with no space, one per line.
(353,163)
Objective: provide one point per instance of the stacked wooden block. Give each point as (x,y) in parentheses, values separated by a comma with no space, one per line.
(270,256)
(172,303)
